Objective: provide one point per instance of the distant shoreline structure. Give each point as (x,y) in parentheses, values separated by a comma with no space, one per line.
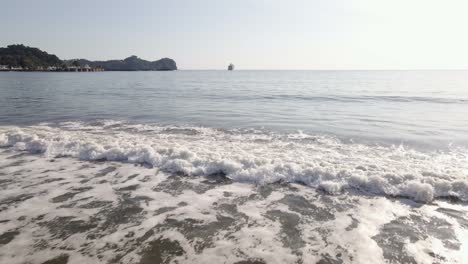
(85,68)
(28,59)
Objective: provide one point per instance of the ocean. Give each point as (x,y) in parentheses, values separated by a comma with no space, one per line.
(234,167)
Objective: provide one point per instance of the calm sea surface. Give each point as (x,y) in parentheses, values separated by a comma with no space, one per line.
(423,107)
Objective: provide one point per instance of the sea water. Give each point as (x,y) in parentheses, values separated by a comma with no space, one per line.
(234,167)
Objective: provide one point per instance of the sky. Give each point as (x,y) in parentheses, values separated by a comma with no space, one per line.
(252,34)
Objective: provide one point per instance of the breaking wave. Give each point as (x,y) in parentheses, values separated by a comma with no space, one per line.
(259,157)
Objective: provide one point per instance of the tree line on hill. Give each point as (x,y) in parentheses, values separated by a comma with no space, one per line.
(27,57)
(21,57)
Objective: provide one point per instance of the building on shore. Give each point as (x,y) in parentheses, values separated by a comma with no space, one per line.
(57,68)
(85,68)
(72,68)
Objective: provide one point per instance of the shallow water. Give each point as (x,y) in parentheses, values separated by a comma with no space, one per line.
(65,209)
(423,107)
(234,167)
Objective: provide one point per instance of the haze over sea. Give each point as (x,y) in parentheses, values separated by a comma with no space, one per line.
(230,166)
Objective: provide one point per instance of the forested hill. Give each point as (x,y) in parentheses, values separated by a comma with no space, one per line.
(133,63)
(27,57)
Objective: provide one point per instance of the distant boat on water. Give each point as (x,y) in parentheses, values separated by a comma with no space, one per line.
(231,67)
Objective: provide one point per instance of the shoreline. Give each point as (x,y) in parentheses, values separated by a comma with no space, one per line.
(84,70)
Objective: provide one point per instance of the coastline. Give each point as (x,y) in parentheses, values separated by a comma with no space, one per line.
(102,70)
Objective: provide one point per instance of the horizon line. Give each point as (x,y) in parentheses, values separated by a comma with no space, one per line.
(391,69)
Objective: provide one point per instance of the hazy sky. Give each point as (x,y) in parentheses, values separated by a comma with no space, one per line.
(253,34)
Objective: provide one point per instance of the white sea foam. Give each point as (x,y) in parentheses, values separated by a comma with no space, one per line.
(90,212)
(255,156)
